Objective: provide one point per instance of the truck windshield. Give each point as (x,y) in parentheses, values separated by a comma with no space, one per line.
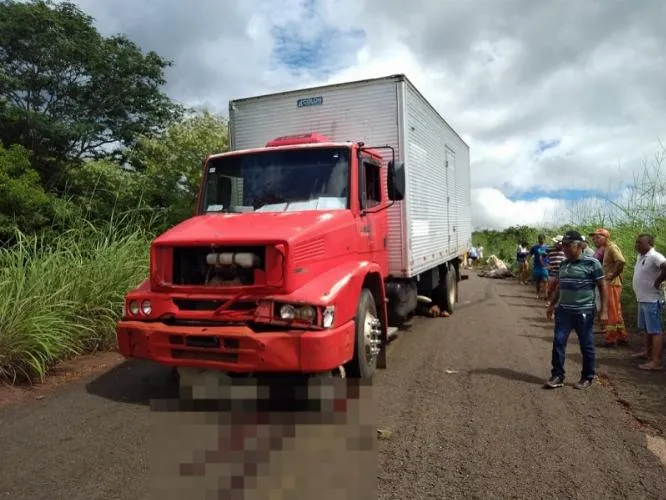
(277,181)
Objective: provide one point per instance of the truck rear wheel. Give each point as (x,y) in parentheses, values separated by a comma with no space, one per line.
(368,338)
(451,289)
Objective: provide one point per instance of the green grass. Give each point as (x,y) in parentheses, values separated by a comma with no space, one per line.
(62,296)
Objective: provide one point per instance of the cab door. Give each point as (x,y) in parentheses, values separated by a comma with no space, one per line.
(372,220)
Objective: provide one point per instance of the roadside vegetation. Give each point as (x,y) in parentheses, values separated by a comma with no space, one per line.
(95,160)
(638,208)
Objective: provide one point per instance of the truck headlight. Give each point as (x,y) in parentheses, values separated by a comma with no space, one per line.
(134,307)
(287,312)
(306,313)
(146,307)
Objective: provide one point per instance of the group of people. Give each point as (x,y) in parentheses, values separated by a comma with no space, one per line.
(583,287)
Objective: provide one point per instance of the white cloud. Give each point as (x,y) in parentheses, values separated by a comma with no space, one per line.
(505,74)
(496,211)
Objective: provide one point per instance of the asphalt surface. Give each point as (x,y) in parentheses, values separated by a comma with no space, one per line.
(462,402)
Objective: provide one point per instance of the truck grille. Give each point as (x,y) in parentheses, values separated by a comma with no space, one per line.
(217,265)
(212,305)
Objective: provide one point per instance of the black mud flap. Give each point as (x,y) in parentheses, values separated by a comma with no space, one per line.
(381,357)
(464,277)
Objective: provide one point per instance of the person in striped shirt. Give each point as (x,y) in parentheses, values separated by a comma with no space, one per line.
(574,297)
(555,256)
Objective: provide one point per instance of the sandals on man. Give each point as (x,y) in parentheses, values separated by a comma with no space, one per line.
(650,366)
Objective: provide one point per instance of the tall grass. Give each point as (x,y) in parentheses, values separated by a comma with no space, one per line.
(62,295)
(630,211)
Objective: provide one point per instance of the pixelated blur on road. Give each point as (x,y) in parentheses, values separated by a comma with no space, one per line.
(462,403)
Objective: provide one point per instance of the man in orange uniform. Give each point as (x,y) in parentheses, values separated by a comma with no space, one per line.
(613,263)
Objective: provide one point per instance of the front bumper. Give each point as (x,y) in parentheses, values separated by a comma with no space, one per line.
(237,348)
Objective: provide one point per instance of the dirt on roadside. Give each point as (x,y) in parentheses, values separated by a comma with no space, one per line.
(67,371)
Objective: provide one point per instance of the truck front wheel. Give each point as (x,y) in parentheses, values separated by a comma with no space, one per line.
(368,338)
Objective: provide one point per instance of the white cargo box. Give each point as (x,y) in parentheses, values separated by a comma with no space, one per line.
(432,225)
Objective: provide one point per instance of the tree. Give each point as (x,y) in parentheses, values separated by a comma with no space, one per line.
(101,190)
(171,164)
(66,92)
(24,204)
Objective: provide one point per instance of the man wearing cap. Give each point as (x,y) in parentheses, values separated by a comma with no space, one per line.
(555,257)
(613,264)
(572,304)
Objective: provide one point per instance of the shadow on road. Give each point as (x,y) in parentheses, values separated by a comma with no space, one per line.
(134,382)
(512,296)
(509,375)
(544,326)
(542,320)
(537,305)
(548,339)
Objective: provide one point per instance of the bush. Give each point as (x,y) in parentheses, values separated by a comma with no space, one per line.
(23,201)
(63,296)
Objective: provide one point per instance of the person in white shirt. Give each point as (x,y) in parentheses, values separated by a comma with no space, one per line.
(587,251)
(649,274)
(522,253)
(473,255)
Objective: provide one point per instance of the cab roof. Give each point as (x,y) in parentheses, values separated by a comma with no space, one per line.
(298,141)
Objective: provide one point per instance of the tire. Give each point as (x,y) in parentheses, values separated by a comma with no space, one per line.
(362,365)
(451,290)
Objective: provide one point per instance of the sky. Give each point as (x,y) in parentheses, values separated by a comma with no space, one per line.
(560,102)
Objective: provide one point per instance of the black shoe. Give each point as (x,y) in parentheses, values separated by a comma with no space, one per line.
(583,383)
(554,382)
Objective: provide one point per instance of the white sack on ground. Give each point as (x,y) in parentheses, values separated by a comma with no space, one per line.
(495,268)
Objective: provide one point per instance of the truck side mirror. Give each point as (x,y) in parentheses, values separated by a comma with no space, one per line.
(395,181)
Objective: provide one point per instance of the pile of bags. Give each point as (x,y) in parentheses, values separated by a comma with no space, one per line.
(495,268)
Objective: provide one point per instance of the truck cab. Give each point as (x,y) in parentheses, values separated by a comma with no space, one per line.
(281,269)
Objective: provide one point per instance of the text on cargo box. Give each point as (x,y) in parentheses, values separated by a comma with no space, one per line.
(310,101)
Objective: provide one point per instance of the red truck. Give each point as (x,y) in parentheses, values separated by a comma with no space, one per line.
(334,210)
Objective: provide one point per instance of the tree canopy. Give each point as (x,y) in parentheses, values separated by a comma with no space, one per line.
(86,129)
(68,93)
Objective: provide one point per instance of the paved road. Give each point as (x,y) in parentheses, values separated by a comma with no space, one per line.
(462,400)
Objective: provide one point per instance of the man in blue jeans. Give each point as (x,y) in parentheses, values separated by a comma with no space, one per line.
(576,308)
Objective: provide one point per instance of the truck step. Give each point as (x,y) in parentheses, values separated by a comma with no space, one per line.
(392,332)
